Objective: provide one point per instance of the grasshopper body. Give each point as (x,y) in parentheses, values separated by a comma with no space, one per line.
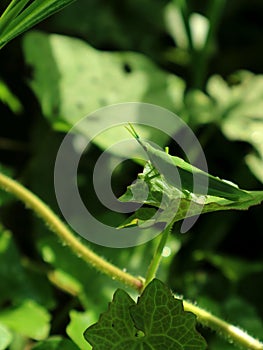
(181,174)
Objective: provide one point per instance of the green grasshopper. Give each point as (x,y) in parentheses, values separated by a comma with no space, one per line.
(206,184)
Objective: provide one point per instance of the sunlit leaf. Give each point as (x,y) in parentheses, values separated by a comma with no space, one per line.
(99,78)
(238,109)
(5,337)
(28,319)
(77,326)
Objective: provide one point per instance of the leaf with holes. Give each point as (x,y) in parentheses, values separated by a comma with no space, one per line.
(157,321)
(100,79)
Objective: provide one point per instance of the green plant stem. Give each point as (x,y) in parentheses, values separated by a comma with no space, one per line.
(185,16)
(156,260)
(232,333)
(58,227)
(200,58)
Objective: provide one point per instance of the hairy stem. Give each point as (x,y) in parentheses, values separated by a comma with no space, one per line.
(156,260)
(58,227)
(232,333)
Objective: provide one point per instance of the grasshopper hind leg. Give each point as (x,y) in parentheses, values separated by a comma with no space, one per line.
(152,170)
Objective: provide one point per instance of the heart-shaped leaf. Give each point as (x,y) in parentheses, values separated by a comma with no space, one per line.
(157,321)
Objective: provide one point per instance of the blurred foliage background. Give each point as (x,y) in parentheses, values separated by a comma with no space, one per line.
(203,61)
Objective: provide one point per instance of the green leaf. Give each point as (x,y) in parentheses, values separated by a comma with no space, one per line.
(233,268)
(7,97)
(33,14)
(55,343)
(99,79)
(199,108)
(28,319)
(175,204)
(10,13)
(5,337)
(238,108)
(157,321)
(17,282)
(115,328)
(78,324)
(72,275)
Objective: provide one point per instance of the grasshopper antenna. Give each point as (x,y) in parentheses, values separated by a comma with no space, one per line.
(132,131)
